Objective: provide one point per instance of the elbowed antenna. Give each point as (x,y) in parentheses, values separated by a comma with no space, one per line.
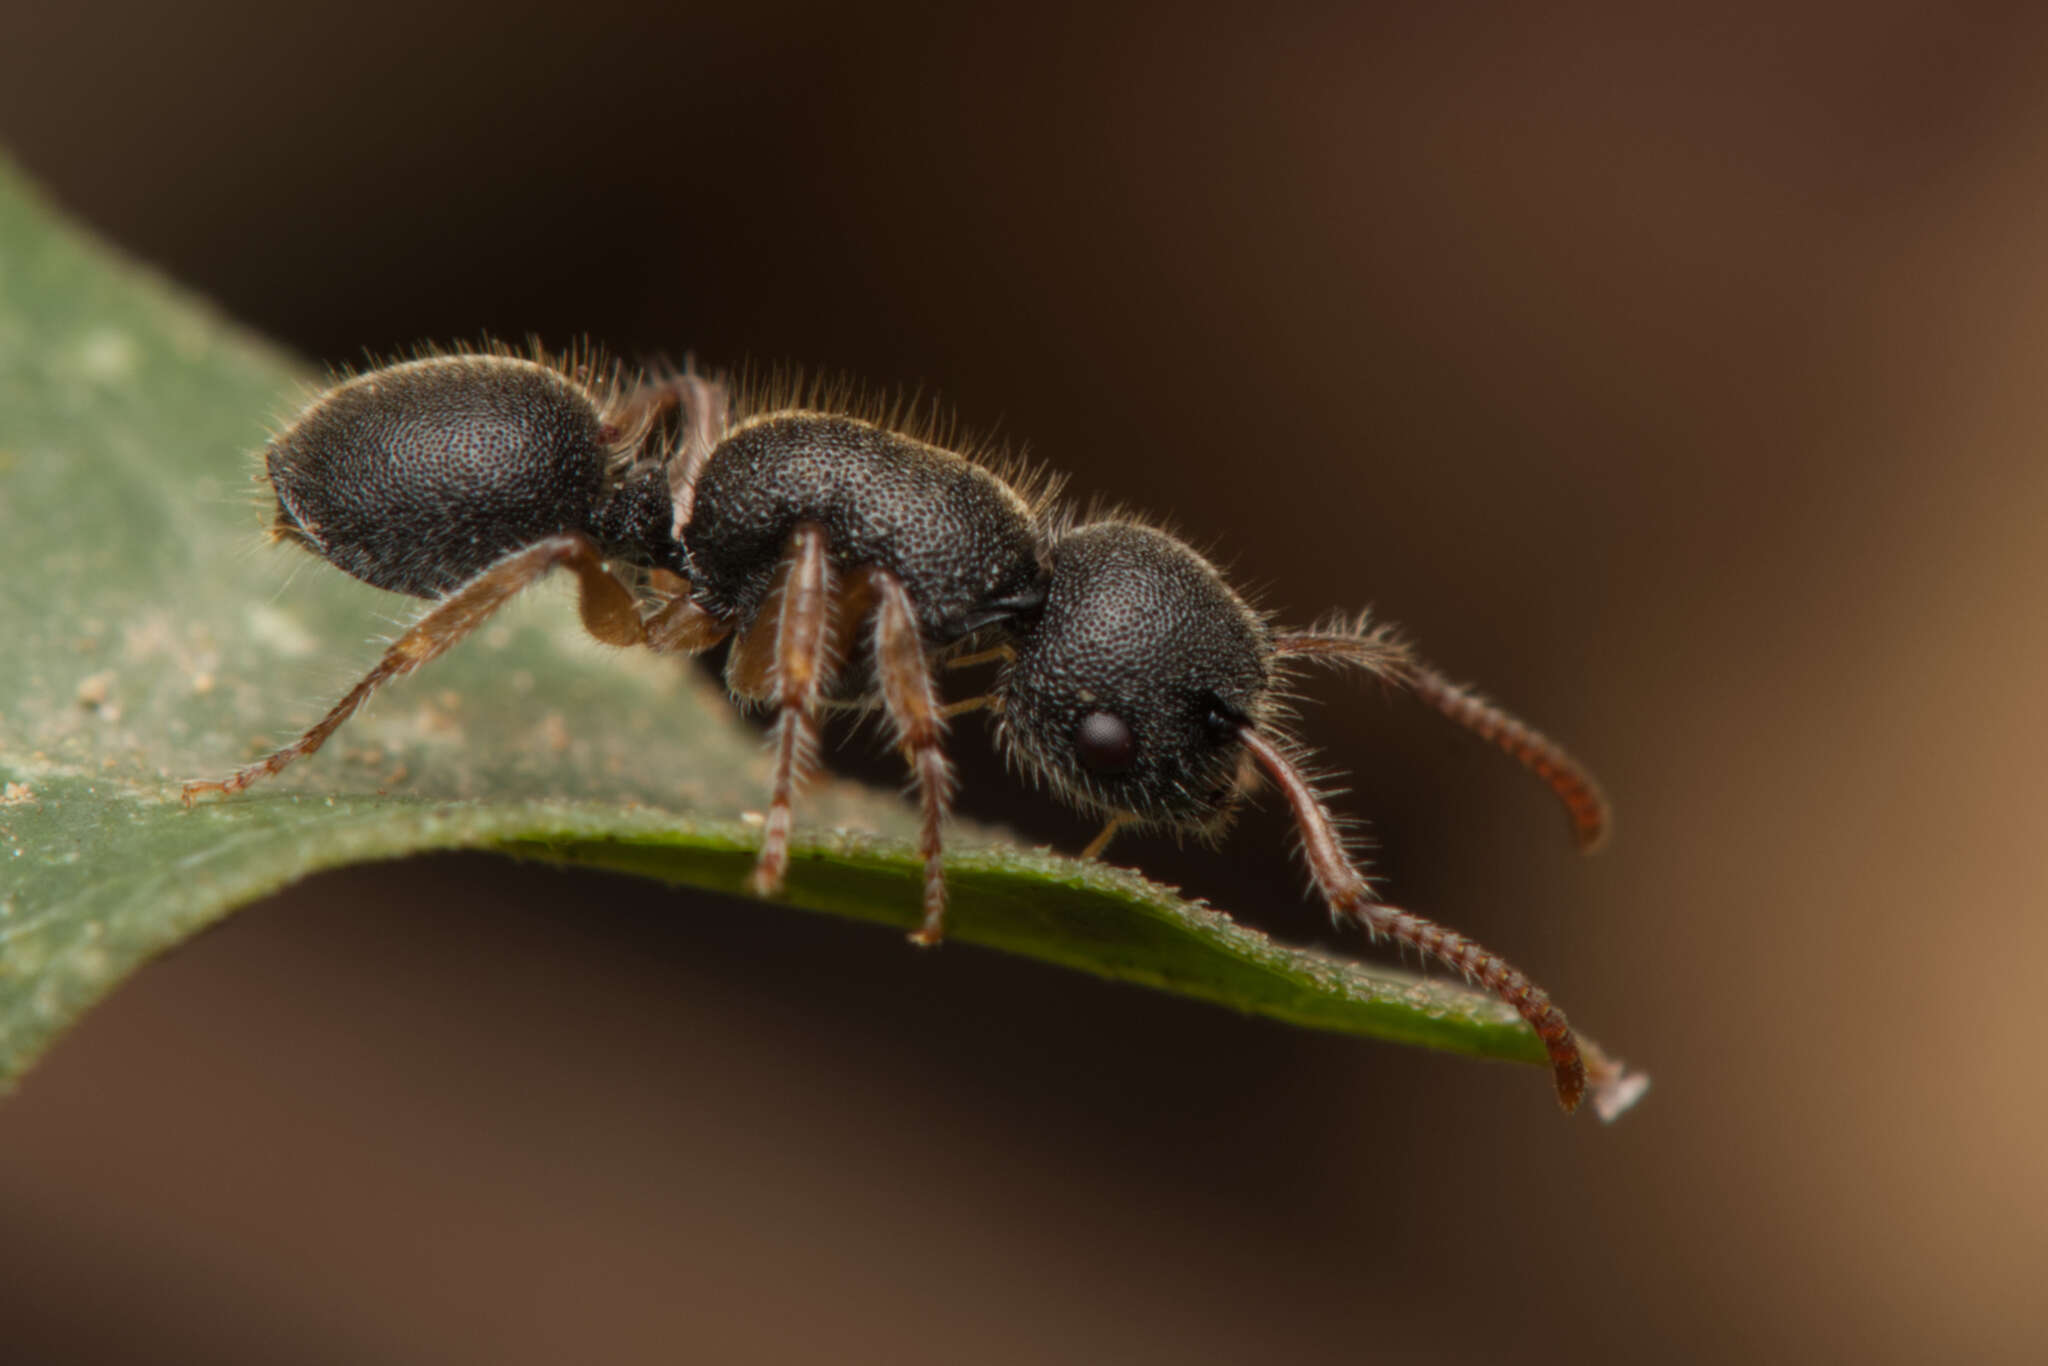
(1377,651)
(1345,888)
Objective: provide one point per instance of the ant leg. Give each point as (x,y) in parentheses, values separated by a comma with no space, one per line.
(1100,843)
(750,668)
(988,656)
(799,628)
(608,613)
(679,625)
(1350,897)
(706,403)
(913,705)
(853,603)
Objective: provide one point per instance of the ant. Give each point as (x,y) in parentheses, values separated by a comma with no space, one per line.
(1133,681)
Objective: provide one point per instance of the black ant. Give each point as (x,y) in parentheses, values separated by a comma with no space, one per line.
(1133,681)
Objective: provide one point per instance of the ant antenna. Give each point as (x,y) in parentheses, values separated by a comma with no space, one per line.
(1377,651)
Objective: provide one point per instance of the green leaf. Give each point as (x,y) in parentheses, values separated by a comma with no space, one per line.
(149,638)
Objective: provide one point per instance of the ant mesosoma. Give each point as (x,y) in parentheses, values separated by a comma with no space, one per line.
(1132,681)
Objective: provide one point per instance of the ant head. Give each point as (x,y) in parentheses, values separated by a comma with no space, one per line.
(1129,692)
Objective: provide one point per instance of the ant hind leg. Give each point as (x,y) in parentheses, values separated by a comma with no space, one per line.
(701,406)
(607,607)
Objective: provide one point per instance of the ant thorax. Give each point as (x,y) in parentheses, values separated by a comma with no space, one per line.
(962,543)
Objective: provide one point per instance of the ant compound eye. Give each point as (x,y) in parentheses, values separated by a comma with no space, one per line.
(1105,742)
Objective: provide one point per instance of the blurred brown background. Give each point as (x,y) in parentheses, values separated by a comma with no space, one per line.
(1681,380)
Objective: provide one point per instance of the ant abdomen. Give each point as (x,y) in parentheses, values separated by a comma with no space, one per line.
(416,477)
(963,544)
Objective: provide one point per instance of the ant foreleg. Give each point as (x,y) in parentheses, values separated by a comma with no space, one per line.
(1100,844)
(999,653)
(705,402)
(912,700)
(607,607)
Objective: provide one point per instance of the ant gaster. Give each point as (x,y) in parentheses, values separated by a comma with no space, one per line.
(1133,682)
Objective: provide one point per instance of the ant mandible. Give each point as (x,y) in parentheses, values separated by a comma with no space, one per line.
(1133,681)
